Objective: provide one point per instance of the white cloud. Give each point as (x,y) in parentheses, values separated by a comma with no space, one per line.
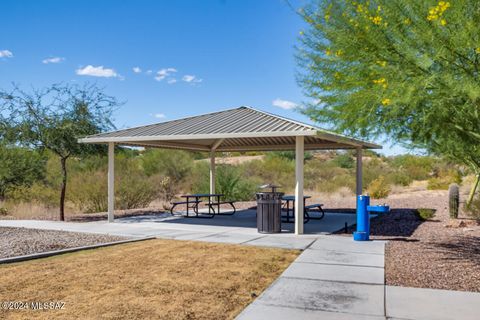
(136,69)
(6,54)
(53,60)
(163,73)
(284,104)
(191,79)
(99,71)
(172,81)
(149,72)
(159,115)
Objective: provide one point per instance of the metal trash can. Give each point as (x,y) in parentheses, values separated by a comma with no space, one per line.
(269,206)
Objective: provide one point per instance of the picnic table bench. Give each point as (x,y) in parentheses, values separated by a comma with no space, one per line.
(193,200)
(307,209)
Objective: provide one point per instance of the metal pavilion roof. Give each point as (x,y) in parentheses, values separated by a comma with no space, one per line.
(239,129)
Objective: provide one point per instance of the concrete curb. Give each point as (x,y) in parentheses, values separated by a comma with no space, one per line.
(68,250)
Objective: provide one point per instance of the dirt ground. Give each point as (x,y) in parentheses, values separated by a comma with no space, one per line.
(154,279)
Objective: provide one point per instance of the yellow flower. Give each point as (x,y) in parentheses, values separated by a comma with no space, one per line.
(443,22)
(477,50)
(381,63)
(328,52)
(301,33)
(339,53)
(327,17)
(377,20)
(386,101)
(436,12)
(406,21)
(382,82)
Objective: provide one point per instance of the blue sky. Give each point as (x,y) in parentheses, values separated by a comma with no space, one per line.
(166,59)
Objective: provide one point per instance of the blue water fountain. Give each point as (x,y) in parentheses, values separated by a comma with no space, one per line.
(363,217)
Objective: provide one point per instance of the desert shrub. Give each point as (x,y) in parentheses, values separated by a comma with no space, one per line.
(199,178)
(166,188)
(88,164)
(443,178)
(425,213)
(438,183)
(416,167)
(289,155)
(168,163)
(379,188)
(272,169)
(37,192)
(230,181)
(373,168)
(3,211)
(134,192)
(88,185)
(19,167)
(326,176)
(399,177)
(337,183)
(344,160)
(233,184)
(89,191)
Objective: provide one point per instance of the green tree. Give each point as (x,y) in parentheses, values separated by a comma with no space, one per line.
(19,167)
(53,119)
(405,68)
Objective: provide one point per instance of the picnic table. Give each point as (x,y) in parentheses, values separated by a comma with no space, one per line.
(193,200)
(307,216)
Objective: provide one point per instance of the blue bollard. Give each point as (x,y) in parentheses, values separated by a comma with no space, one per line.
(363,219)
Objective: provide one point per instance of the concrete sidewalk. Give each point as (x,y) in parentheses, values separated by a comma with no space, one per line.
(337,278)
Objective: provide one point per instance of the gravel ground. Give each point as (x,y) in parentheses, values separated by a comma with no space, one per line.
(428,254)
(22,241)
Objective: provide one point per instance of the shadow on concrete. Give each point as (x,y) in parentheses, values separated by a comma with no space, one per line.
(247,219)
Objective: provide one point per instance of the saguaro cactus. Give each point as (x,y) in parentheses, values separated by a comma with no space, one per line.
(453,200)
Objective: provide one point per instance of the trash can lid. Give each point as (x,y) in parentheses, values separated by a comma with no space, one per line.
(270,186)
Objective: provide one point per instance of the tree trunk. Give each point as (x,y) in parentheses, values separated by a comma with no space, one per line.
(64,188)
(472,191)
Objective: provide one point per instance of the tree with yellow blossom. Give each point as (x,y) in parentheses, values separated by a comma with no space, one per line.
(409,69)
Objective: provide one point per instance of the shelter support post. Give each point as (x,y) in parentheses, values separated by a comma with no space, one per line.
(359,172)
(111,181)
(212,172)
(299,210)
(212,164)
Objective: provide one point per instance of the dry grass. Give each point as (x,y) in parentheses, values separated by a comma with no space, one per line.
(156,279)
(30,210)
